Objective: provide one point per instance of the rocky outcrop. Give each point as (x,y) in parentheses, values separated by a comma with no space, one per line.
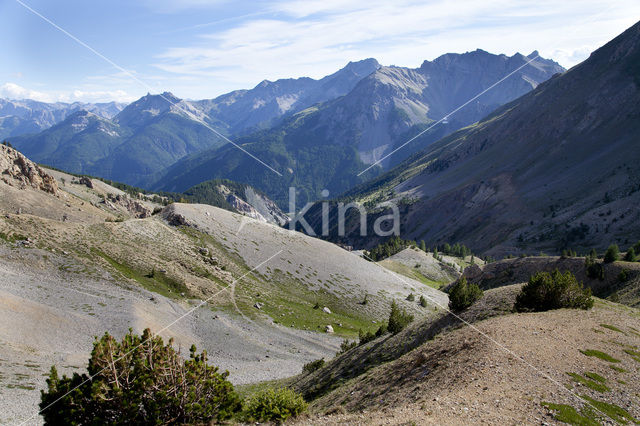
(254,205)
(86,182)
(136,208)
(18,170)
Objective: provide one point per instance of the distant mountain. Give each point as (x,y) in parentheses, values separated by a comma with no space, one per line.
(242,110)
(148,135)
(555,169)
(19,117)
(327,145)
(152,133)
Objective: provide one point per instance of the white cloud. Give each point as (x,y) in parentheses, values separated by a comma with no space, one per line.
(316,37)
(14,91)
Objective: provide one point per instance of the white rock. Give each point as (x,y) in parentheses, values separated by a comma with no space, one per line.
(328,329)
(326,310)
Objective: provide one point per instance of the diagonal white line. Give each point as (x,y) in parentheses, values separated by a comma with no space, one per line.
(147,86)
(495,342)
(186,314)
(449,114)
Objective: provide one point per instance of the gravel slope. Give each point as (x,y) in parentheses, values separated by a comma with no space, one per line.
(50,317)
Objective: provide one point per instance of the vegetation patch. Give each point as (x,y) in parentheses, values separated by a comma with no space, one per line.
(618,369)
(616,413)
(463,295)
(546,291)
(275,405)
(595,376)
(591,384)
(567,414)
(153,281)
(312,366)
(149,383)
(599,354)
(633,353)
(12,237)
(611,327)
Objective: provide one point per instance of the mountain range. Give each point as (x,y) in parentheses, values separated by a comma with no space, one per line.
(19,117)
(155,131)
(318,133)
(327,145)
(554,169)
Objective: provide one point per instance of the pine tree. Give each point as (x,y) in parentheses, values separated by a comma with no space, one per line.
(612,254)
(630,256)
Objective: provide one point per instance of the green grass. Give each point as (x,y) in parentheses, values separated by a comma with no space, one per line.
(12,237)
(567,414)
(293,299)
(591,384)
(281,293)
(634,354)
(599,354)
(595,376)
(618,369)
(160,283)
(250,389)
(616,413)
(412,273)
(611,327)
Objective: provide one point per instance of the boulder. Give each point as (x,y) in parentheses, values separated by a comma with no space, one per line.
(328,329)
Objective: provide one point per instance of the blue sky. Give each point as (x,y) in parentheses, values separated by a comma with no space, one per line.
(202,48)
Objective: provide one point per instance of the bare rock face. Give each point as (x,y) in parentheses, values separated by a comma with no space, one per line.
(18,170)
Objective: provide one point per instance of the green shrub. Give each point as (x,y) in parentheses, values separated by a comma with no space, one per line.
(312,366)
(398,319)
(346,346)
(365,337)
(623,276)
(612,254)
(630,256)
(462,295)
(595,270)
(275,405)
(423,302)
(140,381)
(555,290)
(382,330)
(411,297)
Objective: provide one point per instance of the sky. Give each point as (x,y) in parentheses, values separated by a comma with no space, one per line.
(200,49)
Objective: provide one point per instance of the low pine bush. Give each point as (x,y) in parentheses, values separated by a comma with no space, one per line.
(462,295)
(612,254)
(312,366)
(398,319)
(275,405)
(546,291)
(140,381)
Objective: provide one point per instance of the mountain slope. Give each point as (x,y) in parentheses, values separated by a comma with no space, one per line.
(326,146)
(551,170)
